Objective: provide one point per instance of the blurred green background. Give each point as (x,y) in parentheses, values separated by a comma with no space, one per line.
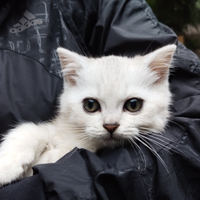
(183,16)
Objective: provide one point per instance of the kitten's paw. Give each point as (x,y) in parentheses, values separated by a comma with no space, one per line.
(10,172)
(12,169)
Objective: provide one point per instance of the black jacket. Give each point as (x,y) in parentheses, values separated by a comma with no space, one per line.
(30,82)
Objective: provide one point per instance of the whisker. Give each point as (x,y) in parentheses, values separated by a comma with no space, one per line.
(157,143)
(167,141)
(143,157)
(155,135)
(84,137)
(148,47)
(170,120)
(145,143)
(163,139)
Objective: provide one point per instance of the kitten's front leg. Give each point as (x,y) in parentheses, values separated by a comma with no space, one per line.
(20,150)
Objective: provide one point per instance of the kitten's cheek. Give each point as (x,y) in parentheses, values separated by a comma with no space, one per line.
(130,133)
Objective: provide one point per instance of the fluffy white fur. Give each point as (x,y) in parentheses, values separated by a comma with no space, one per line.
(111,81)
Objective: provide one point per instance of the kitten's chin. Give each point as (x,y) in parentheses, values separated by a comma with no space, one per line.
(112,140)
(111,137)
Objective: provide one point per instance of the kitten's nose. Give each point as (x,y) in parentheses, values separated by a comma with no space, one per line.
(110,127)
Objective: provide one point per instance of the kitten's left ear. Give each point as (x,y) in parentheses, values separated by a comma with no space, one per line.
(160,61)
(71,63)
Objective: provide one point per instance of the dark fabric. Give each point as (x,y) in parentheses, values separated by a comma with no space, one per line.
(22,84)
(31,31)
(127,28)
(30,68)
(30,188)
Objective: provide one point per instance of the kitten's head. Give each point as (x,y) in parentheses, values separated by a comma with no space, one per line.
(112,99)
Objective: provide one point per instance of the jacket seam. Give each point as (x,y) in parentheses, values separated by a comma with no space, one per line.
(65,12)
(60,79)
(145,10)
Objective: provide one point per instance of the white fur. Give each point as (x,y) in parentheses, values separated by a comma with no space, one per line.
(111,81)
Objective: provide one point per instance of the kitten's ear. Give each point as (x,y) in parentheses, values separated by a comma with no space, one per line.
(71,63)
(160,61)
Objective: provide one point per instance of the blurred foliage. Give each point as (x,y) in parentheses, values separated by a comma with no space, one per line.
(176,14)
(192,43)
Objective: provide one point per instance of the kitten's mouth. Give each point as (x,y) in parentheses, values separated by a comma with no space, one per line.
(111,137)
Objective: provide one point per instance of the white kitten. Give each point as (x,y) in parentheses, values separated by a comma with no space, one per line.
(105,102)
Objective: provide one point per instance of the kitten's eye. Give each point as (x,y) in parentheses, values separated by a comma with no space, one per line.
(91,105)
(133,105)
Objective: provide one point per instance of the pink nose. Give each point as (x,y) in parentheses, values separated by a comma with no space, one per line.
(111,127)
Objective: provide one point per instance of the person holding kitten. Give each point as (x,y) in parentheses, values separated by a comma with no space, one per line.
(126,65)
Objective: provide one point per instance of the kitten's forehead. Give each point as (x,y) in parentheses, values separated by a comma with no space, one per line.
(115,76)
